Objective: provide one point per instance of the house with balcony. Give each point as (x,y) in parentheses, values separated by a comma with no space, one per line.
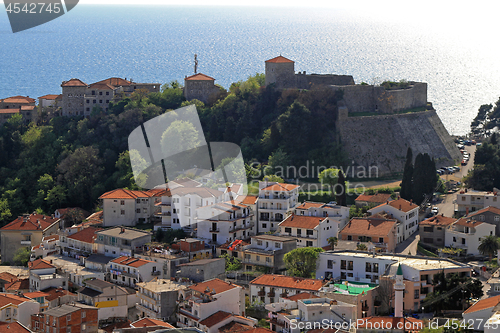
(406,212)
(363,272)
(263,251)
(432,230)
(17,308)
(43,275)
(25,232)
(469,201)
(123,207)
(224,222)
(48,246)
(378,231)
(275,201)
(467,234)
(110,299)
(202,300)
(308,230)
(66,318)
(121,241)
(158,298)
(129,271)
(267,288)
(335,213)
(489,215)
(81,243)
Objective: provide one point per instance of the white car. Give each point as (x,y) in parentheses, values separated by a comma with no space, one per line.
(435,210)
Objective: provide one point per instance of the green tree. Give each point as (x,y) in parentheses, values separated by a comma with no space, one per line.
(361,247)
(273,178)
(489,246)
(279,161)
(329,177)
(407,182)
(179,136)
(332,241)
(232,263)
(22,256)
(302,261)
(341,190)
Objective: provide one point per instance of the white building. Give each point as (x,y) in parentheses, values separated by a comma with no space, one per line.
(43,275)
(129,271)
(470,201)
(202,300)
(405,212)
(274,202)
(80,243)
(225,222)
(121,241)
(484,310)
(110,299)
(309,230)
(467,234)
(331,210)
(158,298)
(48,246)
(17,308)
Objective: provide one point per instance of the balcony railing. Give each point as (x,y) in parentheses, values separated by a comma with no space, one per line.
(214,230)
(271,294)
(25,242)
(261,293)
(365,308)
(156,273)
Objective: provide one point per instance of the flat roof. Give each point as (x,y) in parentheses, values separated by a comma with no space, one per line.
(126,234)
(162,285)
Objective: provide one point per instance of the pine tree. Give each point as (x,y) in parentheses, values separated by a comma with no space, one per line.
(406,183)
(340,189)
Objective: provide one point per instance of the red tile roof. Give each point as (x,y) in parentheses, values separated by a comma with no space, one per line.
(288,282)
(412,325)
(33,222)
(249,200)
(36,294)
(486,303)
(50,238)
(125,194)
(74,83)
(130,261)
(401,204)
(302,221)
(86,235)
(215,318)
(372,226)
(259,330)
(300,296)
(280,187)
(308,204)
(115,81)
(21,284)
(215,284)
(77,210)
(279,59)
(148,322)
(101,86)
(40,264)
(467,222)
(49,97)
(490,209)
(54,293)
(8,277)
(199,77)
(374,198)
(18,99)
(438,220)
(234,327)
(6,299)
(13,327)
(7,111)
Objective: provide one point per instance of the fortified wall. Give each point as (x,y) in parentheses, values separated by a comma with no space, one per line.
(382,141)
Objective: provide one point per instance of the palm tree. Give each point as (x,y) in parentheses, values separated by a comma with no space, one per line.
(332,241)
(489,246)
(362,247)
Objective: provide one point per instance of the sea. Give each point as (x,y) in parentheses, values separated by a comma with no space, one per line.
(456,54)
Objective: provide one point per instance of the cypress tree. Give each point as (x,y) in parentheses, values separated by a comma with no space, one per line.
(341,195)
(419,179)
(406,183)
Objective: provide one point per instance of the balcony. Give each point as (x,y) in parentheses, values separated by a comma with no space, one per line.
(271,294)
(160,214)
(261,293)
(365,308)
(156,273)
(380,245)
(25,242)
(141,307)
(148,299)
(242,227)
(214,230)
(284,295)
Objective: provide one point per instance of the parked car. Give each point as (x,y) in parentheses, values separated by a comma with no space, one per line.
(435,210)
(440,172)
(464,162)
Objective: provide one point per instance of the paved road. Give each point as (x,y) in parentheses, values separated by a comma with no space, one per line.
(409,245)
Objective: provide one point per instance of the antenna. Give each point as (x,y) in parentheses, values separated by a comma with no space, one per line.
(195,63)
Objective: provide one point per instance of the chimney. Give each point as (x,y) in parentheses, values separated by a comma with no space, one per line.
(399,207)
(122,230)
(54,275)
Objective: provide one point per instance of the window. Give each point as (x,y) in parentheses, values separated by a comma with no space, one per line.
(309,243)
(481,217)
(264,226)
(350,265)
(349,238)
(68,329)
(368,267)
(343,264)
(122,212)
(268,259)
(329,264)
(84,327)
(299,232)
(288,230)
(309,232)
(277,245)
(94,101)
(138,210)
(428,229)
(417,294)
(463,240)
(497,218)
(258,258)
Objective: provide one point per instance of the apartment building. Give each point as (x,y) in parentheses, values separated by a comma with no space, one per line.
(490,215)
(406,212)
(469,201)
(23,105)
(66,318)
(275,201)
(48,246)
(121,241)
(128,271)
(466,234)
(81,243)
(25,231)
(43,275)
(432,230)
(110,299)
(203,269)
(308,230)
(224,222)
(267,288)
(158,298)
(17,308)
(334,212)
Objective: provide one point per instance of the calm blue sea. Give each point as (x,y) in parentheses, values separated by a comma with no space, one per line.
(157,44)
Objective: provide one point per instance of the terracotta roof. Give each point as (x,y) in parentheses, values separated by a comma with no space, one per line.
(40,264)
(249,200)
(490,209)
(439,220)
(234,327)
(203,192)
(54,293)
(302,221)
(280,187)
(95,217)
(309,204)
(148,322)
(36,294)
(50,238)
(31,223)
(401,204)
(74,83)
(125,194)
(215,284)
(199,77)
(86,235)
(6,299)
(372,226)
(130,261)
(388,322)
(8,277)
(288,282)
(482,304)
(300,296)
(279,59)
(13,327)
(235,188)
(259,330)
(375,198)
(18,99)
(467,222)
(215,318)
(50,97)
(110,328)
(115,81)
(21,284)
(7,111)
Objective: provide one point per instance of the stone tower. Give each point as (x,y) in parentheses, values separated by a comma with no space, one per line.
(281,72)
(73,97)
(399,289)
